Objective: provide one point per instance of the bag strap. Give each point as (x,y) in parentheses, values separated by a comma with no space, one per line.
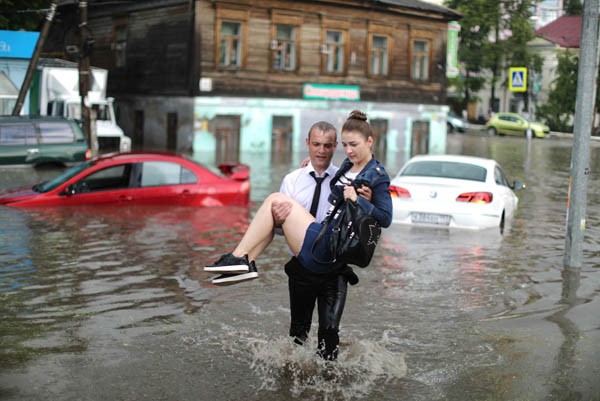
(328,220)
(341,171)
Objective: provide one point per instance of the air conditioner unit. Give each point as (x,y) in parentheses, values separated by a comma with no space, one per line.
(274,45)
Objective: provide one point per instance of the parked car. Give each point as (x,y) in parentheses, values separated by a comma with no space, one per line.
(456,123)
(31,140)
(453,191)
(138,179)
(514,124)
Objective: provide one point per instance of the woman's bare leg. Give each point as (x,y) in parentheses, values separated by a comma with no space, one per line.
(260,231)
(253,254)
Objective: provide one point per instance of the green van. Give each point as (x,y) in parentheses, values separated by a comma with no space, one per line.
(41,140)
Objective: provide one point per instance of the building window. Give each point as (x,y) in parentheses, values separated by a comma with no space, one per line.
(230,44)
(334,52)
(378,63)
(420,60)
(119,44)
(284,47)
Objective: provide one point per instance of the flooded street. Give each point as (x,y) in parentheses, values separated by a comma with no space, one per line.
(112,303)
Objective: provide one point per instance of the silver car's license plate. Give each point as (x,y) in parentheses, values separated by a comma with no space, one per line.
(430,218)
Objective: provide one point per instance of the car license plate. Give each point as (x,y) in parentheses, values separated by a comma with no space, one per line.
(430,218)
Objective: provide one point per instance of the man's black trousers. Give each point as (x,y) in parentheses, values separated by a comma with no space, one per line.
(329,293)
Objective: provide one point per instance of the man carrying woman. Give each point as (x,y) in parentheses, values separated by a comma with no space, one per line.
(300,228)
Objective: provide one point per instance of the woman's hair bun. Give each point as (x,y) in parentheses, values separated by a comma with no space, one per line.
(358,115)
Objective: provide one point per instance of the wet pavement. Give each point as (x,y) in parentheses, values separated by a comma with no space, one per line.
(112,303)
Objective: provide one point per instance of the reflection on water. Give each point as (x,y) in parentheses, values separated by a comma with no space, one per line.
(62,267)
(91,295)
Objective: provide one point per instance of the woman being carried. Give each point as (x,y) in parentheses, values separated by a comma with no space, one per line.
(299,228)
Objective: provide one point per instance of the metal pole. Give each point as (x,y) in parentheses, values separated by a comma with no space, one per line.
(34,59)
(84,77)
(580,156)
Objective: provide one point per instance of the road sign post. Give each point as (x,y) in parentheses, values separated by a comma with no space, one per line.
(580,155)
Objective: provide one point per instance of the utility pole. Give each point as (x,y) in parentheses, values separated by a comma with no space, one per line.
(34,59)
(580,155)
(84,77)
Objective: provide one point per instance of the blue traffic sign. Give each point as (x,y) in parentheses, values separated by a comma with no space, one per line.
(517,79)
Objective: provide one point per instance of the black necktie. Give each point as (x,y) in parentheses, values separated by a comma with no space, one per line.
(315,200)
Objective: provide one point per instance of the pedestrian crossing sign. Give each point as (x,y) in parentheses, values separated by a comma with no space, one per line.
(517,79)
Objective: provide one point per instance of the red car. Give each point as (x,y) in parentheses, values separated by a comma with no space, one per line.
(138,179)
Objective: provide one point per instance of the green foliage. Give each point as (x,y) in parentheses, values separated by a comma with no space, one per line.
(474,35)
(484,43)
(23,14)
(521,28)
(573,7)
(558,110)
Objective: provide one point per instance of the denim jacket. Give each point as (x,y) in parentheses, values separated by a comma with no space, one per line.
(374,176)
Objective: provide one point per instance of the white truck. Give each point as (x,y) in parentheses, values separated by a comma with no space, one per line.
(58,91)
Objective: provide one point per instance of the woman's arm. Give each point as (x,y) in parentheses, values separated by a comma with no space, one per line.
(380,206)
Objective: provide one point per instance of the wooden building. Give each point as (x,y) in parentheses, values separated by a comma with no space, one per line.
(226,77)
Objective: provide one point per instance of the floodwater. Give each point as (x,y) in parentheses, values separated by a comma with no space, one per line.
(112,303)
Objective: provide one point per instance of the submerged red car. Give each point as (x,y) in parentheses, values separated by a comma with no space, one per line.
(138,179)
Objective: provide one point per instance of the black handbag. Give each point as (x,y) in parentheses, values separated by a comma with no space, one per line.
(354,235)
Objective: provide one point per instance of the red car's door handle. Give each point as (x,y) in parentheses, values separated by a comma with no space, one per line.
(185,192)
(125,198)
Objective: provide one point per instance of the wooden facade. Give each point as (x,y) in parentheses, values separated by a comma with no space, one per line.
(165,47)
(228,78)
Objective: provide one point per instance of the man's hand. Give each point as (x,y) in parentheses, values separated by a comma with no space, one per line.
(305,162)
(280,211)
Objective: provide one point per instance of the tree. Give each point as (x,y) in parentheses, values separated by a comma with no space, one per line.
(474,34)
(522,32)
(23,14)
(573,7)
(558,110)
(493,36)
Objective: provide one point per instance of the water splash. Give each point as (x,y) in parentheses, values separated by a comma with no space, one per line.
(282,365)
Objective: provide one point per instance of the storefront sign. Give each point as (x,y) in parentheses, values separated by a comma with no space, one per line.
(17,44)
(331,92)
(452,50)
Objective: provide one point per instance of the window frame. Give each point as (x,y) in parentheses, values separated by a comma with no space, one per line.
(343,27)
(163,174)
(237,16)
(119,42)
(98,181)
(275,43)
(9,135)
(280,17)
(328,54)
(233,46)
(427,53)
(381,31)
(383,55)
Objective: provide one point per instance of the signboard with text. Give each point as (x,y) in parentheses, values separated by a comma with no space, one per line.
(452,50)
(17,44)
(331,92)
